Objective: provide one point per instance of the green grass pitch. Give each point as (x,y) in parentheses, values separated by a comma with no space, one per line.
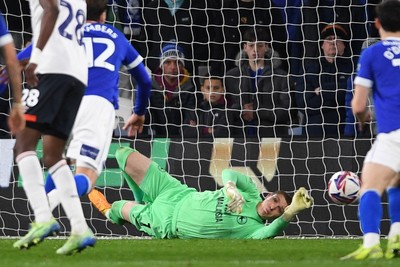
(279,252)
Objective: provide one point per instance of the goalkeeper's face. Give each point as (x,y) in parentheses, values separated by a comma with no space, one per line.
(272,207)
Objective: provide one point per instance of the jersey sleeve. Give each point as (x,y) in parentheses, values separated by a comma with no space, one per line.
(271,230)
(134,64)
(243,182)
(364,69)
(5,36)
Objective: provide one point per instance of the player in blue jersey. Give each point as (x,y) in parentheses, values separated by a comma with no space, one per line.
(107,49)
(379,71)
(16,119)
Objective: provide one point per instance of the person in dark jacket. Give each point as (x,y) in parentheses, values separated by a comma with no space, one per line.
(172,98)
(260,88)
(234,19)
(214,114)
(183,20)
(321,90)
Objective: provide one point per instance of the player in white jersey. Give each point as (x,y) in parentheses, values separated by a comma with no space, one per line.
(107,49)
(57,76)
(379,71)
(16,120)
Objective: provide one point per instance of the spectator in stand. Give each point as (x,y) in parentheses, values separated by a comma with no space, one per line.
(173,94)
(351,14)
(129,14)
(321,90)
(183,20)
(260,88)
(213,114)
(237,16)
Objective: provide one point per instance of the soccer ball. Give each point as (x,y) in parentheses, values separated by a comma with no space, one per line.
(343,187)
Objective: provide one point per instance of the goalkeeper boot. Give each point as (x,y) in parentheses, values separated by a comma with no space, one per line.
(362,253)
(99,201)
(393,247)
(77,243)
(36,234)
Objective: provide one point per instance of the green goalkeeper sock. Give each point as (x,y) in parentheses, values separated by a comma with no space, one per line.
(115,213)
(122,155)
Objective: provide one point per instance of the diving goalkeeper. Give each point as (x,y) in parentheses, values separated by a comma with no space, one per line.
(165,208)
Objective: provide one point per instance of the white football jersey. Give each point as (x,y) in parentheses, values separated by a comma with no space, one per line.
(64,52)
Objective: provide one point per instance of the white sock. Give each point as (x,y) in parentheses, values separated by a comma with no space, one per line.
(394,229)
(32,180)
(68,195)
(370,240)
(54,199)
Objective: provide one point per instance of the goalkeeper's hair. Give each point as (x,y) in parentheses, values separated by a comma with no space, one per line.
(287,197)
(95,8)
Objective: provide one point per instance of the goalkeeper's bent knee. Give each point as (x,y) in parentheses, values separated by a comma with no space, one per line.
(122,155)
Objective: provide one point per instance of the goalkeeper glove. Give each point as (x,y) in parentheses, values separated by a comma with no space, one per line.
(236,200)
(301,201)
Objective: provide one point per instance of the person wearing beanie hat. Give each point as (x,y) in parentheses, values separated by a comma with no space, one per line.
(334,30)
(172,51)
(321,91)
(173,93)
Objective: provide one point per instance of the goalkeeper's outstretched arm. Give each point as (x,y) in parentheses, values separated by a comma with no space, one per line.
(301,201)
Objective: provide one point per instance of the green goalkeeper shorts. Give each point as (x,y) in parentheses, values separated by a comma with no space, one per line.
(162,193)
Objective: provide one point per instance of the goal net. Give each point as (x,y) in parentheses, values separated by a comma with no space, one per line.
(311,147)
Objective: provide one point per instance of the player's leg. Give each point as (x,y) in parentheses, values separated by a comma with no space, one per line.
(146,176)
(376,178)
(91,139)
(118,212)
(32,180)
(377,174)
(70,90)
(393,192)
(133,163)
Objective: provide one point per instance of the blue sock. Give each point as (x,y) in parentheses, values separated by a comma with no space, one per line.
(82,184)
(49,185)
(394,204)
(370,212)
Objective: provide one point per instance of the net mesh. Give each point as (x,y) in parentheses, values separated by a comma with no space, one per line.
(276,161)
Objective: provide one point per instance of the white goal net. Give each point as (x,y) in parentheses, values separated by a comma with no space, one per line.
(287,122)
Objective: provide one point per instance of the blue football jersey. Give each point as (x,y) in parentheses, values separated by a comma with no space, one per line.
(379,68)
(107,49)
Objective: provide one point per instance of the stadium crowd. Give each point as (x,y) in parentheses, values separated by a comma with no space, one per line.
(284,65)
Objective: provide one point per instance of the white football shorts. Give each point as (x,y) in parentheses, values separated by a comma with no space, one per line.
(386,150)
(92,132)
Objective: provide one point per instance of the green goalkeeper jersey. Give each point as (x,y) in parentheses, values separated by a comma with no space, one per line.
(173,210)
(205,215)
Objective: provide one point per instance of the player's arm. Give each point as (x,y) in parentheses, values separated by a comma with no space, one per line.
(16,121)
(233,181)
(50,14)
(242,182)
(135,123)
(359,104)
(271,230)
(301,201)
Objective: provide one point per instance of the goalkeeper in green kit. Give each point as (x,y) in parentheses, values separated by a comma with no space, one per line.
(165,208)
